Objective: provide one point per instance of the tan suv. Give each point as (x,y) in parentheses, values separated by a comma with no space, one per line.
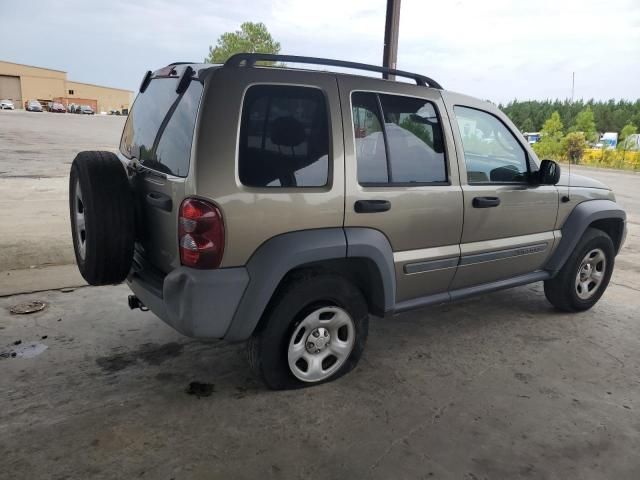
(283,206)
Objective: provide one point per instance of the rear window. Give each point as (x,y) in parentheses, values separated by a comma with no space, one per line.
(284,137)
(159,129)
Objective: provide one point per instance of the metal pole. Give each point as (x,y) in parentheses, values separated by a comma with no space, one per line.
(391,30)
(573,84)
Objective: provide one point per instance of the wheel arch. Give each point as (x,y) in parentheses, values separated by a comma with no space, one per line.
(604,215)
(367,262)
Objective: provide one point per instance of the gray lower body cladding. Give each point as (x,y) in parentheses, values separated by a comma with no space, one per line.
(197,303)
(228,303)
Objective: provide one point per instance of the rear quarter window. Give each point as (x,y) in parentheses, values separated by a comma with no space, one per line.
(284,137)
(159,129)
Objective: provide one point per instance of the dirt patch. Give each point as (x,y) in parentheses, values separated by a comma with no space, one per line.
(150,353)
(200,389)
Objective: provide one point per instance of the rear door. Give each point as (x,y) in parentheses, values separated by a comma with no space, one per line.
(402,179)
(157,140)
(508,221)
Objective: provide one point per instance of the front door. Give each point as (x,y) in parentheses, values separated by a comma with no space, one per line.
(508,222)
(402,179)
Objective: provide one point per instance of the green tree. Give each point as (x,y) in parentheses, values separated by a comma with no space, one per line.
(585,123)
(628,129)
(573,146)
(527,126)
(251,38)
(552,128)
(609,115)
(550,144)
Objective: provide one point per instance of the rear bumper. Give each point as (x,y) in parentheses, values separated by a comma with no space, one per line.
(197,303)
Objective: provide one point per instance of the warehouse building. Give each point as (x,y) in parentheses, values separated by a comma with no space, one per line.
(21,83)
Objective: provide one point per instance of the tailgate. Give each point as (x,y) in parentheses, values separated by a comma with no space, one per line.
(157,140)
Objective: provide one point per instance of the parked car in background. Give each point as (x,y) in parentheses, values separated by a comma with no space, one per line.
(57,108)
(33,106)
(84,110)
(114,112)
(7,105)
(532,137)
(608,140)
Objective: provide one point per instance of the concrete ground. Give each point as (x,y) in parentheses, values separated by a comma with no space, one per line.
(497,387)
(36,151)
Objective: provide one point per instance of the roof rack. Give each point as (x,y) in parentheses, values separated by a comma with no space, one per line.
(250,59)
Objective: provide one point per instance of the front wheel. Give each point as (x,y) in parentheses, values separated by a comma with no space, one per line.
(585,275)
(314,331)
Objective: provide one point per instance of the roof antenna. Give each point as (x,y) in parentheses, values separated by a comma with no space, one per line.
(573,87)
(567,198)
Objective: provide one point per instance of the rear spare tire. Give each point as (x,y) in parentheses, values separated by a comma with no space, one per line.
(102,217)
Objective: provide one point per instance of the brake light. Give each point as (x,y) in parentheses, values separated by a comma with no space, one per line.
(200,234)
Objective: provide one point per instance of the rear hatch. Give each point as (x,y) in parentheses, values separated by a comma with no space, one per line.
(157,140)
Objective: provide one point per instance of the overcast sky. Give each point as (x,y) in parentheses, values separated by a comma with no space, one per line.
(493,49)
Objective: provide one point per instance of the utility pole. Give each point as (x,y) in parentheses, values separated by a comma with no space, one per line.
(391,31)
(573,84)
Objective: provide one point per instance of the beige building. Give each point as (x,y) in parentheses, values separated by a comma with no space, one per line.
(21,83)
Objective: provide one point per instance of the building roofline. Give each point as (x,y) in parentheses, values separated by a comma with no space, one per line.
(100,86)
(33,66)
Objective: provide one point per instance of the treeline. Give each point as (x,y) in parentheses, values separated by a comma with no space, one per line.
(609,116)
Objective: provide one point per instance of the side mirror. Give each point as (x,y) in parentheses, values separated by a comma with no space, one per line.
(549,173)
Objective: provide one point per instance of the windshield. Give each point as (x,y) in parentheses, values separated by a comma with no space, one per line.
(160,126)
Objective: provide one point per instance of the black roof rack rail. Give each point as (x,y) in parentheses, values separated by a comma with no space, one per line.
(250,59)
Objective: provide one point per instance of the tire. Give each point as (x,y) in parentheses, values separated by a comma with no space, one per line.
(563,291)
(303,297)
(99,194)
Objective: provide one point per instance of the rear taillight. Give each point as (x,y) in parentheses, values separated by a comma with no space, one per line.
(200,234)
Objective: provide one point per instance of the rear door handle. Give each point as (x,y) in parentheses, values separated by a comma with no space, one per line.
(486,202)
(159,200)
(372,206)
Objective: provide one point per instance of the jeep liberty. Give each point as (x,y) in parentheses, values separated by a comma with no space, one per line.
(283,206)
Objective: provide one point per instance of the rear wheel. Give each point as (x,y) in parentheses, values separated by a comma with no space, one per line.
(585,275)
(102,219)
(314,331)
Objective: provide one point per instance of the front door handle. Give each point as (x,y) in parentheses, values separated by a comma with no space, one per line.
(486,202)
(372,206)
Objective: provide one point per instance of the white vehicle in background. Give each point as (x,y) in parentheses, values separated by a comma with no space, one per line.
(7,105)
(608,140)
(532,137)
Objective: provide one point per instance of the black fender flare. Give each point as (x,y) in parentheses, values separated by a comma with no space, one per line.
(583,215)
(279,255)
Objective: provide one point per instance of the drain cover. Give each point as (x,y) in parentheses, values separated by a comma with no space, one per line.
(28,307)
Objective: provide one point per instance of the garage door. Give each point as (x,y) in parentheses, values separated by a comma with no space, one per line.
(10,89)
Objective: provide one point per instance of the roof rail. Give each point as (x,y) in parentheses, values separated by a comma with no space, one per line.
(250,59)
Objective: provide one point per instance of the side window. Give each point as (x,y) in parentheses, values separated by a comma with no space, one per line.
(284,137)
(491,152)
(415,140)
(369,139)
(406,147)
